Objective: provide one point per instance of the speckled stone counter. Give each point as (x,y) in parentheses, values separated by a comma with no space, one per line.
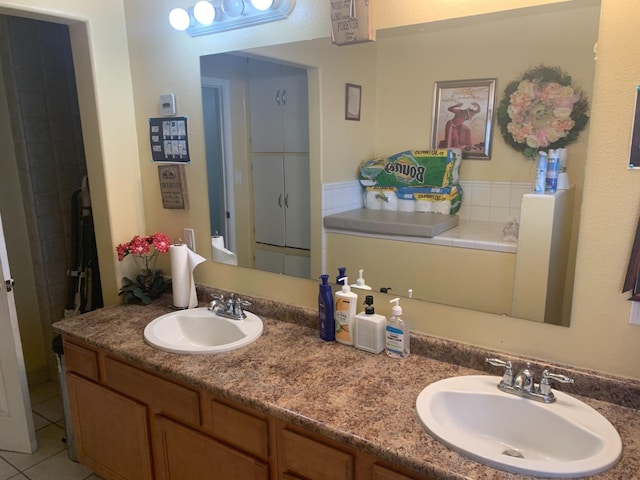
(364,400)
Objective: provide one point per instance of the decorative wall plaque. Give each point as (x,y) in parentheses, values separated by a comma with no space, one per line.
(351,22)
(173,187)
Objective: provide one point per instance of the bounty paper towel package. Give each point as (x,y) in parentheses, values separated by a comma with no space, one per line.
(414,180)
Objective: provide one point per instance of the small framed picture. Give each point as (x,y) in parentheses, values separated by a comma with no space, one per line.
(462,116)
(352,102)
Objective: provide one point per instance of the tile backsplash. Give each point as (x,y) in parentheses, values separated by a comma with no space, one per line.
(492,201)
(483,200)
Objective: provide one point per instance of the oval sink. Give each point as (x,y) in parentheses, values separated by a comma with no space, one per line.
(199,330)
(563,439)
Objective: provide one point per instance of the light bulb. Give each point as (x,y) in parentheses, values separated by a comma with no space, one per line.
(179,19)
(205,12)
(262,4)
(233,8)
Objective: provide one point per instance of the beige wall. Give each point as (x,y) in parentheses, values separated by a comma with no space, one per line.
(599,337)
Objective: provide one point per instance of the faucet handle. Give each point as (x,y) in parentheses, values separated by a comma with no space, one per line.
(545,387)
(507,377)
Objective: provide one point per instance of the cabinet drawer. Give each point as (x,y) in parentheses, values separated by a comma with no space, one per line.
(81,360)
(314,460)
(238,428)
(162,395)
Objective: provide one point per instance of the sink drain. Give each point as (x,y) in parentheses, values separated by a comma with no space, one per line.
(513,453)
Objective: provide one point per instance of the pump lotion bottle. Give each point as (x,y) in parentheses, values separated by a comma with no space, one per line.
(345,312)
(397,333)
(326,322)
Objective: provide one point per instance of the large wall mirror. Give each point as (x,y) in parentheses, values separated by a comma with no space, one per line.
(272,112)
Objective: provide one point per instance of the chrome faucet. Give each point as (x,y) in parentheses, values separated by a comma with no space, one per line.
(524,384)
(230,308)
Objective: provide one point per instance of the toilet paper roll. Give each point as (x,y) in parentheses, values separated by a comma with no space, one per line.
(391,202)
(406,205)
(221,254)
(374,200)
(183,262)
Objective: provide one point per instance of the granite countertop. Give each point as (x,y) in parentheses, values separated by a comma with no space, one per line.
(364,400)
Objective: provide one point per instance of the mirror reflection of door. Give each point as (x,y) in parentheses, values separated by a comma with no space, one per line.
(259,192)
(218,159)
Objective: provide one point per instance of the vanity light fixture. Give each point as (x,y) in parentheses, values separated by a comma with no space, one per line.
(214,16)
(179,19)
(204,12)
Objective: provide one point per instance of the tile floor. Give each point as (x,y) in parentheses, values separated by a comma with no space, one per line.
(50,461)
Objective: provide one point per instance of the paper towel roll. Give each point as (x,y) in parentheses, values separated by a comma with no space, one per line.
(183,262)
(221,254)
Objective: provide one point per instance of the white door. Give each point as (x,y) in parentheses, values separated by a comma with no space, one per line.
(16,420)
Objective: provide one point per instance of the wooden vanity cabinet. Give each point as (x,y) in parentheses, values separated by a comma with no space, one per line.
(111,431)
(130,424)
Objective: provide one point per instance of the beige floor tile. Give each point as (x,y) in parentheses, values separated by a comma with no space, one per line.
(56,468)
(43,392)
(6,470)
(39,421)
(50,409)
(49,443)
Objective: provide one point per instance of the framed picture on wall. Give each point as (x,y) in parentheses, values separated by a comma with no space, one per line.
(352,102)
(462,116)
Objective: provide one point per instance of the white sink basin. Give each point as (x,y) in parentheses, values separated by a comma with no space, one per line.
(565,439)
(198,330)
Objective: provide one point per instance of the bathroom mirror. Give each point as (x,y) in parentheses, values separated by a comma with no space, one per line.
(397,74)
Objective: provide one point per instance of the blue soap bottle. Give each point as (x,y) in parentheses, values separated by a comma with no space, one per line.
(541,173)
(326,321)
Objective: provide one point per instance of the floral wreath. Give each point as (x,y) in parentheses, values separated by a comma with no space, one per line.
(543,109)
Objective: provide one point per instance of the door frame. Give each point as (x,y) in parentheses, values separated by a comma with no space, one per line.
(224,88)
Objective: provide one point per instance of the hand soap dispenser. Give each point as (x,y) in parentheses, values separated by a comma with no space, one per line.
(360,282)
(370,328)
(397,334)
(345,312)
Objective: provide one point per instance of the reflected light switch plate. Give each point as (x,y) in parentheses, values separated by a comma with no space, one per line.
(189,238)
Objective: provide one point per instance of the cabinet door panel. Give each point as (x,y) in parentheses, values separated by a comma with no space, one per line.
(268,199)
(297,266)
(297,201)
(295,110)
(112,431)
(265,102)
(183,453)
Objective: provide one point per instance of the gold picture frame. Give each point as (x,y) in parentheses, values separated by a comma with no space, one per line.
(463,116)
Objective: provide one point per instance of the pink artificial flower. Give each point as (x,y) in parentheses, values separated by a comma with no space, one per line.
(139,245)
(123,250)
(161,242)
